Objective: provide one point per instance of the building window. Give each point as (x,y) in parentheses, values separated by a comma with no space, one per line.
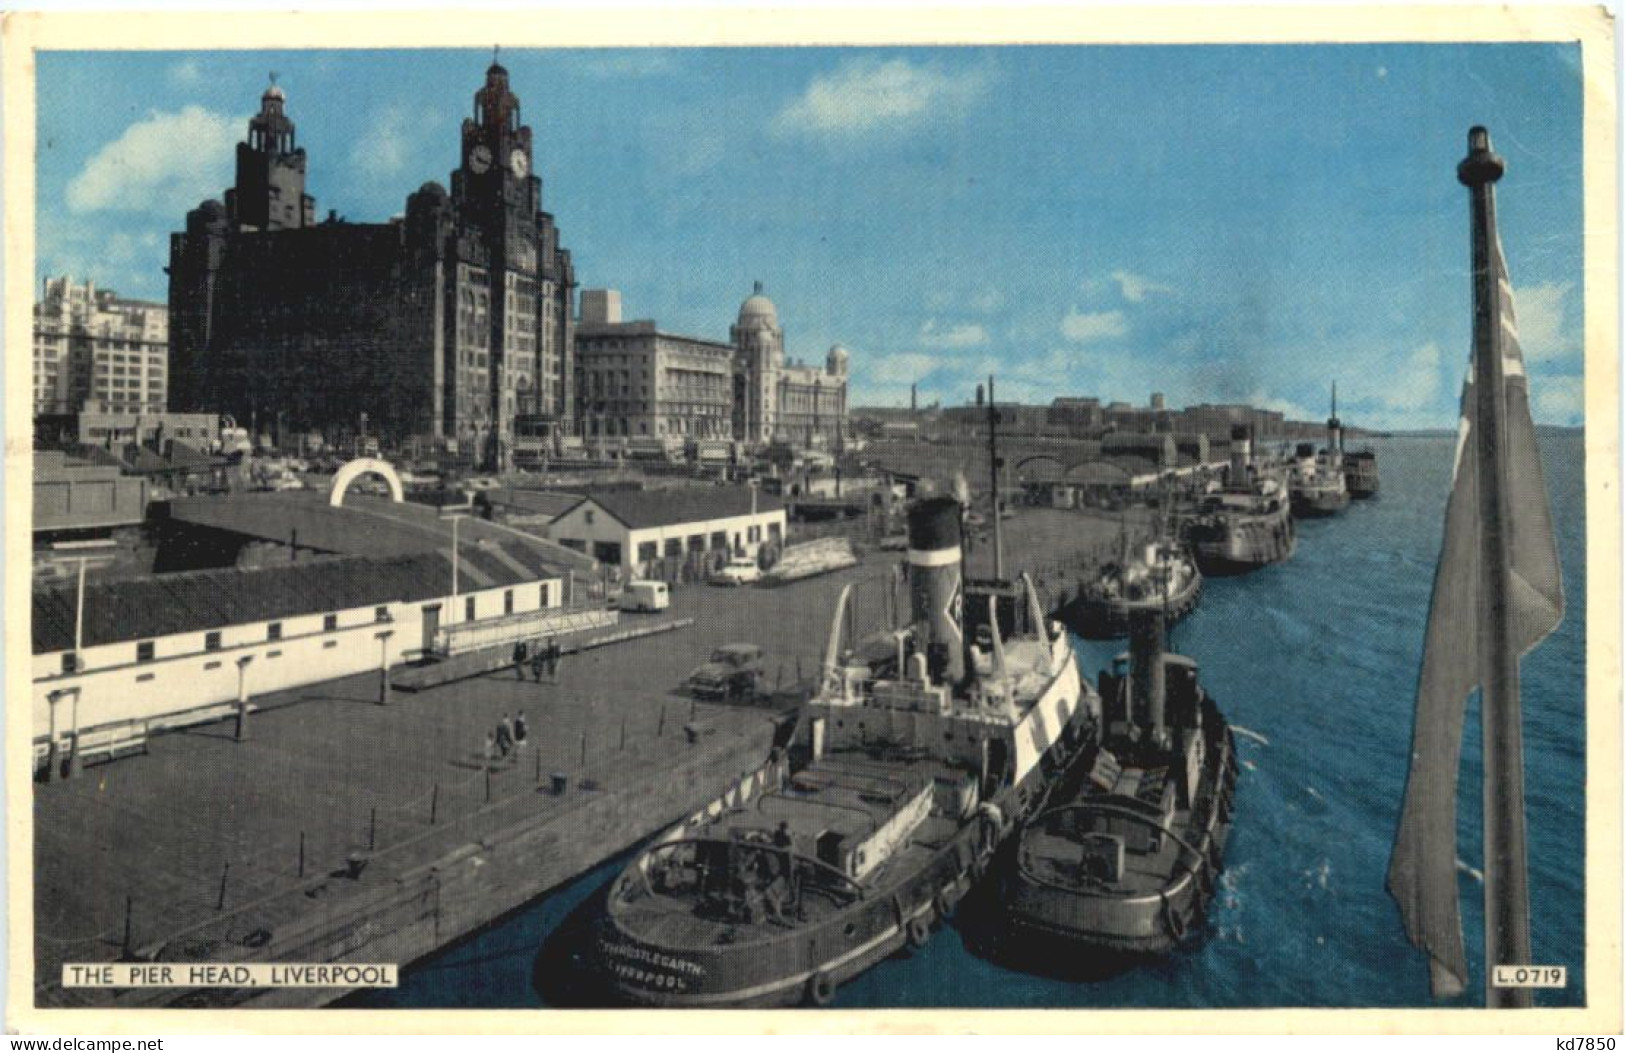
(468,609)
(329,622)
(380,614)
(211,641)
(719,540)
(753,534)
(646,551)
(542,601)
(507,601)
(144,651)
(674,546)
(273,631)
(773,531)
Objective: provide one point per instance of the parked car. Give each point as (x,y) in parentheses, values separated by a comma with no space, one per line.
(733,671)
(738,571)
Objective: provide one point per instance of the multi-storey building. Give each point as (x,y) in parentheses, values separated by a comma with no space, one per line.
(96,352)
(451,323)
(638,382)
(654,387)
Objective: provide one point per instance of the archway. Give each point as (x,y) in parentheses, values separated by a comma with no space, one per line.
(353,470)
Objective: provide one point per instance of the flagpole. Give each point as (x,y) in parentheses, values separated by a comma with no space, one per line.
(1506,877)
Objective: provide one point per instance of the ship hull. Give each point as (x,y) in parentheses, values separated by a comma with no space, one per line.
(809,961)
(1319,504)
(1101,920)
(1097,619)
(1244,544)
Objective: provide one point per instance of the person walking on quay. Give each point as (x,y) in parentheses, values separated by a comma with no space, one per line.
(504,735)
(520,653)
(490,751)
(538,660)
(521,730)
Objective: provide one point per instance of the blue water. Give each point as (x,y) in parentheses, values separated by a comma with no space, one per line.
(1319,656)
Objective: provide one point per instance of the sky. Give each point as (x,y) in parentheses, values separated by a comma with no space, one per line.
(1217,223)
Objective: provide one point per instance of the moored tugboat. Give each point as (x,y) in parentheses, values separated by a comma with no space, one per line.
(1245,524)
(1161,575)
(1360,473)
(920,757)
(1318,484)
(1125,853)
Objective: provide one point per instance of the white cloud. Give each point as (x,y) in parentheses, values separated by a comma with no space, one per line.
(966,335)
(1286,407)
(1558,400)
(164,164)
(1543,316)
(391,142)
(987,301)
(186,73)
(1136,287)
(901,367)
(1082,327)
(1416,384)
(865,94)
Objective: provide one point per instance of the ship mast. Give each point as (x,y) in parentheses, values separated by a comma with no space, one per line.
(993,456)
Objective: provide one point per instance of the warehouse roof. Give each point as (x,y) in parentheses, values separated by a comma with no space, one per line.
(641,509)
(197,601)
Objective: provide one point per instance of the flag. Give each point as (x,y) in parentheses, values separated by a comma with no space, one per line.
(1422,873)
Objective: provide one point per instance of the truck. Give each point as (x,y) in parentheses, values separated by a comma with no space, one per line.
(644,596)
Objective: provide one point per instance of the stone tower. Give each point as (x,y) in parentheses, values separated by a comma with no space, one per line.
(759,339)
(270,190)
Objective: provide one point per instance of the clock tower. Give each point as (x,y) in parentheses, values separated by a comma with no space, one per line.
(508,248)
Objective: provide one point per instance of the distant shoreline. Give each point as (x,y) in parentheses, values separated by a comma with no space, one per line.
(1443,433)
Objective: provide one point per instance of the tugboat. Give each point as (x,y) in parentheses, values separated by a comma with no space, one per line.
(1160,575)
(1245,524)
(916,758)
(1360,473)
(1318,485)
(1124,855)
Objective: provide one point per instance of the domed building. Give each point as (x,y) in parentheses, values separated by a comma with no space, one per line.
(780,401)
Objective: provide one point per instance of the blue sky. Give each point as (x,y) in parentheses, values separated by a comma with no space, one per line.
(1217,223)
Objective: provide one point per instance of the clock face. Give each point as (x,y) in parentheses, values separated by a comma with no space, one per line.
(479,159)
(518,163)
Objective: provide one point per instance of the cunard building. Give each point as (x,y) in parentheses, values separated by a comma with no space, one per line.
(450,324)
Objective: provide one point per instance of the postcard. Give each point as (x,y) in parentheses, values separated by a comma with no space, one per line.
(901,518)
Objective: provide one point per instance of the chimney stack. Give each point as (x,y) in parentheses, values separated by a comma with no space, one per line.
(935,587)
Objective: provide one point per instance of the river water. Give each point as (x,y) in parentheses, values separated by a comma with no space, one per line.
(1317,660)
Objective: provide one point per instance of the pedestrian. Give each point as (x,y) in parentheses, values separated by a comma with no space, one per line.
(490,747)
(521,730)
(520,653)
(504,735)
(537,662)
(554,653)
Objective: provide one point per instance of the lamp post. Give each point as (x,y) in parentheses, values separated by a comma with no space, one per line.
(86,547)
(53,754)
(455,519)
(383,665)
(242,696)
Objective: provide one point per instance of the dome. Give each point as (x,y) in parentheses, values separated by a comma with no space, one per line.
(758,308)
(433,189)
(274,92)
(836,361)
(212,209)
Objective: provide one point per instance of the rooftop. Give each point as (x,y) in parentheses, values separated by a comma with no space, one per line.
(640,509)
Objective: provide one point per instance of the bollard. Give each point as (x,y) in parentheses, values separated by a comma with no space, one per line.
(660,729)
(538,764)
(434,804)
(487,785)
(372,827)
(583,749)
(301,853)
(225,871)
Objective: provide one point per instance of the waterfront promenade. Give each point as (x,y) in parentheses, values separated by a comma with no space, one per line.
(198,844)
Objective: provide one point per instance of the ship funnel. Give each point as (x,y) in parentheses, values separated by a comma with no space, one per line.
(1241,454)
(1334,431)
(1147,642)
(935,590)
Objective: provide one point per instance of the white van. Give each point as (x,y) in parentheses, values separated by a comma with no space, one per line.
(645,596)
